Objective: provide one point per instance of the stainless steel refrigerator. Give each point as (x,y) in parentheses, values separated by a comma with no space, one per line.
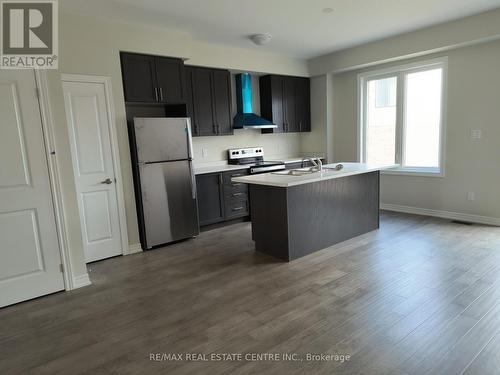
(164,180)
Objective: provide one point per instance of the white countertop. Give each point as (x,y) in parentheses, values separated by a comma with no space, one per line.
(223,166)
(284,180)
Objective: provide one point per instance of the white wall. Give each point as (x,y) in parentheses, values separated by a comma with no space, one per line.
(473,103)
(91,46)
(320,140)
(462,32)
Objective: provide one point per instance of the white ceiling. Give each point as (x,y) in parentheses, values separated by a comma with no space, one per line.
(299,28)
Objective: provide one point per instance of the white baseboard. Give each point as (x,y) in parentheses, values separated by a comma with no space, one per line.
(134,248)
(442,214)
(81,281)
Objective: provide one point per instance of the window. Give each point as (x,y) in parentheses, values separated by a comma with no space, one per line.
(401,117)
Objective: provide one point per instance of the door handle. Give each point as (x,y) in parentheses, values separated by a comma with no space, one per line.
(107,181)
(161,94)
(193,181)
(156,93)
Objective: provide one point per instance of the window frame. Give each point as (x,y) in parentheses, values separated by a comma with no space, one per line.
(401,72)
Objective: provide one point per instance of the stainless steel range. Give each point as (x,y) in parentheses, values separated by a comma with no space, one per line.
(254,157)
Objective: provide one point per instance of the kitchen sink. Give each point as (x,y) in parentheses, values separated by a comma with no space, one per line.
(296,172)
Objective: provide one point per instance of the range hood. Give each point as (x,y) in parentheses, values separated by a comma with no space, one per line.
(245,118)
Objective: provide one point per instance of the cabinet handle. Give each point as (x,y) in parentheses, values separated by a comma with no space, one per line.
(156,93)
(237,194)
(238,208)
(161,94)
(237,183)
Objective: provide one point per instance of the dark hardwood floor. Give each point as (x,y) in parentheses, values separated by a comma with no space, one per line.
(418,296)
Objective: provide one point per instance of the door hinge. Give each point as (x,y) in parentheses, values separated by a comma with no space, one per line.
(61,268)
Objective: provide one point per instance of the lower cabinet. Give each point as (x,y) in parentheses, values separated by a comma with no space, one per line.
(210,198)
(219,199)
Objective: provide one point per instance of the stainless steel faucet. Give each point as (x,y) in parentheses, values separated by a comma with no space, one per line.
(318,164)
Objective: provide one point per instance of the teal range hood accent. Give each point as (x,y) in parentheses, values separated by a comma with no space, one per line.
(245,118)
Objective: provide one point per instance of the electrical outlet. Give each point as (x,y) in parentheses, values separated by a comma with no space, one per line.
(204,152)
(476,133)
(471,196)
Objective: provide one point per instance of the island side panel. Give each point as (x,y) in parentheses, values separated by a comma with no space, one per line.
(324,213)
(268,210)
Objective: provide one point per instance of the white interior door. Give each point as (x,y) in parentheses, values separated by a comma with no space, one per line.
(88,120)
(30,259)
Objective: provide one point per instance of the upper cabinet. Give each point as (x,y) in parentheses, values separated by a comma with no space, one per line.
(286,102)
(151,79)
(170,79)
(209,101)
(139,77)
(303,103)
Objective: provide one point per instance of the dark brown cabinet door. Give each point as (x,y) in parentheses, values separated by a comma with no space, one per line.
(203,101)
(222,101)
(290,121)
(139,77)
(278,103)
(190,99)
(170,78)
(271,102)
(210,103)
(210,198)
(286,102)
(303,100)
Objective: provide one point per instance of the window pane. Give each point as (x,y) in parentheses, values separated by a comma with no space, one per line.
(381,122)
(385,93)
(422,118)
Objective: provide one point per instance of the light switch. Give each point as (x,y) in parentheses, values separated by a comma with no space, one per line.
(204,152)
(476,133)
(471,196)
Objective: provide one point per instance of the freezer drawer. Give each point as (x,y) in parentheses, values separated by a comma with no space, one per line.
(162,139)
(168,202)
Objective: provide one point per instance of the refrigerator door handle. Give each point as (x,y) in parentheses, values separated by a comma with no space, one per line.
(193,180)
(189,138)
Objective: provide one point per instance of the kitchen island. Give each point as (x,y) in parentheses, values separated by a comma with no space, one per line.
(295,215)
